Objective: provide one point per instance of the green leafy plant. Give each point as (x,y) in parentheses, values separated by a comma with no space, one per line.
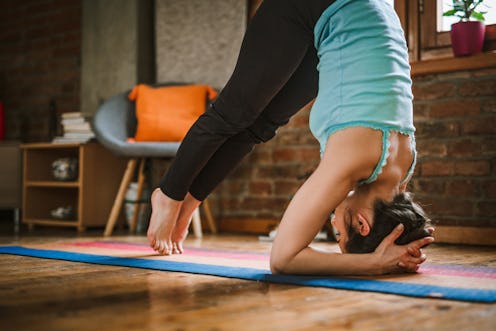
(466,9)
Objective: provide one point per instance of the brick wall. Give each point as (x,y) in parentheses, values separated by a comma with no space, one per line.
(40,46)
(262,185)
(455,116)
(455,180)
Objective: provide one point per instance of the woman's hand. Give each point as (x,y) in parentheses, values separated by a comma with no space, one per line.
(394,258)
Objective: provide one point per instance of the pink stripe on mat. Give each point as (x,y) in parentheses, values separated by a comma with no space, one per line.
(428,269)
(189,251)
(460,271)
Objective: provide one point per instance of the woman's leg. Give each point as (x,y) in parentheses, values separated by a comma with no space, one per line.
(274,46)
(298,91)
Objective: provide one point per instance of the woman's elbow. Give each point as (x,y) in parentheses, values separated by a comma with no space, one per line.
(278,264)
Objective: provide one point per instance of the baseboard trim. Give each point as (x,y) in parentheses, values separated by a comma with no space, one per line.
(247,225)
(444,234)
(465,235)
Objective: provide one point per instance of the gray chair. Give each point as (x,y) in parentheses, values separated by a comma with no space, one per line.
(114,122)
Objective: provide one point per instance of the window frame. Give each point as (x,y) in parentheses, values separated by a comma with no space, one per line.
(419,20)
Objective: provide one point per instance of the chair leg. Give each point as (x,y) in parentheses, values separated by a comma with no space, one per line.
(139,191)
(197,228)
(210,218)
(116,208)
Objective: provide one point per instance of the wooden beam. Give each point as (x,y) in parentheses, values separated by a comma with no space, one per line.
(443,234)
(476,61)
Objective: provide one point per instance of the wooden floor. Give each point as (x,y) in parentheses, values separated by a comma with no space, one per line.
(37,294)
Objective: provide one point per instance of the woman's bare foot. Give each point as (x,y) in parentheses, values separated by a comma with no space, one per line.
(183,221)
(165,212)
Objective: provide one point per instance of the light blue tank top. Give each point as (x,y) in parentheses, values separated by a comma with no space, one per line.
(364,73)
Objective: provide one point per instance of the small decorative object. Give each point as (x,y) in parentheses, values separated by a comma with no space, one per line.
(62,213)
(467,37)
(65,169)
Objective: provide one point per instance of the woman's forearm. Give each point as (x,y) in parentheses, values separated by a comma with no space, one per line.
(312,261)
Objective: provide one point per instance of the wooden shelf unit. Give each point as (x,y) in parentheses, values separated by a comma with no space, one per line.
(91,195)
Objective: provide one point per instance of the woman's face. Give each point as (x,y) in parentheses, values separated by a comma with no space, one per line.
(342,220)
(354,212)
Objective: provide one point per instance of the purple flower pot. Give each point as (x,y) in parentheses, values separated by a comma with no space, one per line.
(467,37)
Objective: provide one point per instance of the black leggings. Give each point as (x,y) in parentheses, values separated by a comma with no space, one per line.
(275,76)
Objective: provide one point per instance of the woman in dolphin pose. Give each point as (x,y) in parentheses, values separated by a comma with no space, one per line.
(351,57)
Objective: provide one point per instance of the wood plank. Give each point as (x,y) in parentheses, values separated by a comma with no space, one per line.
(476,61)
(50,222)
(39,294)
(50,145)
(39,183)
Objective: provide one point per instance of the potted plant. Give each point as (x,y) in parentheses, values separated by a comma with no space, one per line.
(467,36)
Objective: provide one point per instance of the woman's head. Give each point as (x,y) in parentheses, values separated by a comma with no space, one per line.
(361,230)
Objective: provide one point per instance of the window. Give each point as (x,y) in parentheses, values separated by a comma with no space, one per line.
(434,40)
(444,23)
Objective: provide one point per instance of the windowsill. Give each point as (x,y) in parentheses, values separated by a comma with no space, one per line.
(477,61)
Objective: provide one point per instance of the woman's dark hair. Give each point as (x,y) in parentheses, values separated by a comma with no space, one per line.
(387,215)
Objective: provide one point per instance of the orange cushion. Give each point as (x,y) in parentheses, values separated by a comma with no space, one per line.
(167,113)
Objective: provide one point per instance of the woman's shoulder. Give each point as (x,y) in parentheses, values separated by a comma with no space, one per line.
(355,150)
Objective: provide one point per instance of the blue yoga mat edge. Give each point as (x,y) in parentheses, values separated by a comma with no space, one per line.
(399,288)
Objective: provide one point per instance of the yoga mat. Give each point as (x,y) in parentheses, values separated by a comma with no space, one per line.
(462,283)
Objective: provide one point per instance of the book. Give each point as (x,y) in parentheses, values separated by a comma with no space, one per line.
(76,128)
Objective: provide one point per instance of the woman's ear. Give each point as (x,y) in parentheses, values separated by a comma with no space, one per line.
(363,225)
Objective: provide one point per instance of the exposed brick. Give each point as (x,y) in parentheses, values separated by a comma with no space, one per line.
(423,79)
(286,187)
(461,188)
(485,72)
(281,171)
(420,111)
(285,154)
(486,208)
(450,207)
(437,129)
(472,168)
(431,148)
(488,146)
(260,156)
(489,106)
(298,121)
(480,126)
(489,188)
(309,154)
(293,154)
(430,186)
(433,91)
(438,168)
(34,75)
(477,88)
(464,148)
(264,203)
(455,108)
(261,188)
(454,76)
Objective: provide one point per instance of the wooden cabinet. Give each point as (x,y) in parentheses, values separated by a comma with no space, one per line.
(90,195)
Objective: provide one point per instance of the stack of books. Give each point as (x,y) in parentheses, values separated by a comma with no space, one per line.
(76,128)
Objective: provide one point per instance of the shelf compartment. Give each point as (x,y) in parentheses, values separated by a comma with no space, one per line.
(42,200)
(40,161)
(91,194)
